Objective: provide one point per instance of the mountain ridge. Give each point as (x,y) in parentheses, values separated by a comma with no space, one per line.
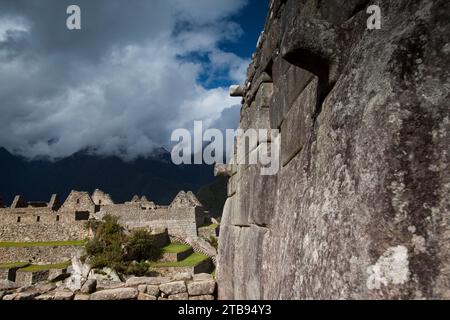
(154,176)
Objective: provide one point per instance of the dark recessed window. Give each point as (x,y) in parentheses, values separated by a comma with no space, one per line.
(78,201)
(18,219)
(57,218)
(38,218)
(82,215)
(99,201)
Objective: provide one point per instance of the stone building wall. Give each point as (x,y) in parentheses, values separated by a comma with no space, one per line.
(101,198)
(175,220)
(40,224)
(360,208)
(40,255)
(43,232)
(78,201)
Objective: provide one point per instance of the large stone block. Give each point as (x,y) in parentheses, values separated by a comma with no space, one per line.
(27,278)
(361,200)
(173,287)
(297,127)
(116,294)
(264,95)
(198,288)
(288,86)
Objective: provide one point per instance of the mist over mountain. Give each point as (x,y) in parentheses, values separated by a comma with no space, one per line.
(155,176)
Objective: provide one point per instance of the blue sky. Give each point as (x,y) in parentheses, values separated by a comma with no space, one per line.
(251,20)
(134,73)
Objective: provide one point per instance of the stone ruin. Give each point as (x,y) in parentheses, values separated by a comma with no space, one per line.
(51,221)
(360,207)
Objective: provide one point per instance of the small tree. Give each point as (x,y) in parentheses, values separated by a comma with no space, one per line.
(106,246)
(140,247)
(111,247)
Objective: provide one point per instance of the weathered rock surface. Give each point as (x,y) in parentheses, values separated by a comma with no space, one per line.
(64,295)
(199,288)
(202,298)
(8,285)
(173,287)
(116,294)
(89,286)
(152,290)
(136,281)
(81,297)
(360,207)
(146,297)
(179,296)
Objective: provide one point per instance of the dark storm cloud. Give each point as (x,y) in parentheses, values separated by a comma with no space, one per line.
(118,85)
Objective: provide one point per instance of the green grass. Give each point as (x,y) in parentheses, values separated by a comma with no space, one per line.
(42,244)
(175,248)
(35,267)
(13,265)
(211,226)
(191,261)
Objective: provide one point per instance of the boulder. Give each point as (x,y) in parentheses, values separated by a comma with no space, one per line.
(89,286)
(136,281)
(152,290)
(58,275)
(76,267)
(116,294)
(203,298)
(26,295)
(9,297)
(63,295)
(44,287)
(142,288)
(179,296)
(146,297)
(74,282)
(182,276)
(107,285)
(81,297)
(45,297)
(173,287)
(6,285)
(198,288)
(203,276)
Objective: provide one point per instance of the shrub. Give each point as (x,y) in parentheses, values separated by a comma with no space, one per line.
(111,247)
(213,241)
(140,247)
(105,248)
(139,269)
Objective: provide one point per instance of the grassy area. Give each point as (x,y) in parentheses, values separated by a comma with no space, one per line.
(211,226)
(191,261)
(175,248)
(42,244)
(13,265)
(35,267)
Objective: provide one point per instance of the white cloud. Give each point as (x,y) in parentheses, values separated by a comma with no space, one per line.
(9,25)
(128,101)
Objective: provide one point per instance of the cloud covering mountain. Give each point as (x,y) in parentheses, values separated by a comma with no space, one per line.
(135,72)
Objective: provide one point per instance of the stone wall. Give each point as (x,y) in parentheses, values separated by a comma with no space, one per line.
(31,232)
(175,220)
(34,286)
(360,207)
(78,201)
(39,255)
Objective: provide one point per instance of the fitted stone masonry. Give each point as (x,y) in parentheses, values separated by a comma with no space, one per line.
(360,208)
